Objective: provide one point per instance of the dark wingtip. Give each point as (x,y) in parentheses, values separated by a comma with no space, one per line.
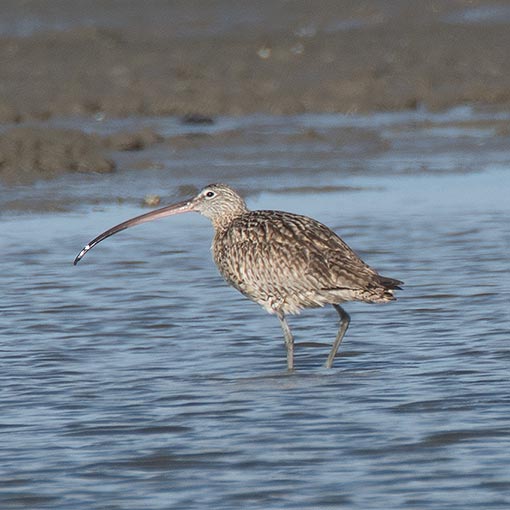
(391,283)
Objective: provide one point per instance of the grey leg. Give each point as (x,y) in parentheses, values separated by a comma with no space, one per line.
(289,341)
(344,324)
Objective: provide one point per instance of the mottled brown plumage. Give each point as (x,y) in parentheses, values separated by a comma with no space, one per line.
(283,261)
(286,262)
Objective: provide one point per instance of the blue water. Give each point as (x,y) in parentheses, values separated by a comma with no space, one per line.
(138,379)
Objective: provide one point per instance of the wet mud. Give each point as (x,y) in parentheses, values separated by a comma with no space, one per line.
(280,57)
(197,61)
(39,152)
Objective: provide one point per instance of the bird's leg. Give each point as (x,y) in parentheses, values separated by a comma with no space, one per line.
(289,341)
(344,324)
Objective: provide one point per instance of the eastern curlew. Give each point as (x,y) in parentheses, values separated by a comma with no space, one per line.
(284,262)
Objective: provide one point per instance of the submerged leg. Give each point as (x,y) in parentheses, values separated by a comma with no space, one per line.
(344,324)
(289,341)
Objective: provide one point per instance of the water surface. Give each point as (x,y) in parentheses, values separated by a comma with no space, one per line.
(138,379)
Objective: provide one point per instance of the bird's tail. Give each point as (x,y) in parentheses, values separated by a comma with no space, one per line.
(389,285)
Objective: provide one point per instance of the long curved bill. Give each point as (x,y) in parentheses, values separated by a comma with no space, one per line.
(180,207)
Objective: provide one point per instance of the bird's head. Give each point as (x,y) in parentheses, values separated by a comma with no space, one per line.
(219,203)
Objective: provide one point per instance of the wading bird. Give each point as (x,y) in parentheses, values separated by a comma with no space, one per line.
(284,262)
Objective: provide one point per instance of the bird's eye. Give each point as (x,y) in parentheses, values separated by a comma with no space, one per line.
(210,194)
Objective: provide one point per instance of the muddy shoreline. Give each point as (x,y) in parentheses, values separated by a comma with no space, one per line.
(120,59)
(357,57)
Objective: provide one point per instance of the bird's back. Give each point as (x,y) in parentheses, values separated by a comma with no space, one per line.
(286,262)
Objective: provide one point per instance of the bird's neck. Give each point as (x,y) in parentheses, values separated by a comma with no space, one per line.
(223,221)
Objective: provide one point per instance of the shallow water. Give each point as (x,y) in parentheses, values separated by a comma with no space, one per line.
(138,379)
